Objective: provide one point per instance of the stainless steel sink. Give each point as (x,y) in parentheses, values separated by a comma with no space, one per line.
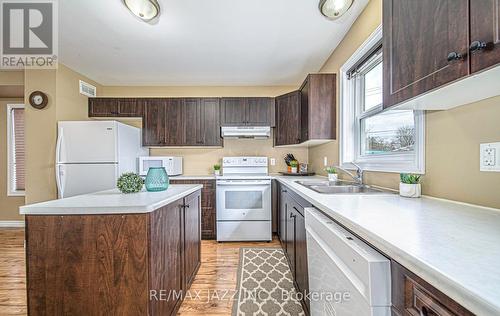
(324,183)
(341,187)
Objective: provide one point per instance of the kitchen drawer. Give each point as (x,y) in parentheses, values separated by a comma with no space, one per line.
(412,296)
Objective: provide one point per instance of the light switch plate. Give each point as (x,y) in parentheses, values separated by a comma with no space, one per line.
(273,161)
(489,157)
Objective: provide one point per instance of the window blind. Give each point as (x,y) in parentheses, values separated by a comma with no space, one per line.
(19,153)
(372,53)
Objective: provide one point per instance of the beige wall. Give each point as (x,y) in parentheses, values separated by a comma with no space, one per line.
(452,137)
(201,160)
(195,91)
(65,103)
(11,78)
(9,205)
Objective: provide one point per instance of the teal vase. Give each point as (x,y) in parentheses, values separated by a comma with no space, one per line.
(157,179)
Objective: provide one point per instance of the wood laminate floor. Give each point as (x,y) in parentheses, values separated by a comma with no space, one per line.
(211,292)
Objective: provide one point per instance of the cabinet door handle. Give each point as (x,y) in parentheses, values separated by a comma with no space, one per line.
(455,56)
(477,46)
(284,191)
(424,312)
(187,206)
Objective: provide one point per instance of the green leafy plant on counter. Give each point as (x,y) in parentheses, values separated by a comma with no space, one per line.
(410,178)
(216,167)
(294,163)
(331,170)
(130,182)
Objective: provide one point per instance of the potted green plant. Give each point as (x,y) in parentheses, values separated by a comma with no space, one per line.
(217,169)
(130,182)
(332,173)
(294,164)
(410,185)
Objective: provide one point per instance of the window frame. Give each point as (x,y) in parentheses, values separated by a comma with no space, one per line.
(11,191)
(350,118)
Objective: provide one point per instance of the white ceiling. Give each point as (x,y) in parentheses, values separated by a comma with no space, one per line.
(200,42)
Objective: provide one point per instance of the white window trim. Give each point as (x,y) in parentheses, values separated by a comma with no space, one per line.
(10,173)
(348,144)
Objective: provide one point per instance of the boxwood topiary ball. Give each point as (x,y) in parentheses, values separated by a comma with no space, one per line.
(130,182)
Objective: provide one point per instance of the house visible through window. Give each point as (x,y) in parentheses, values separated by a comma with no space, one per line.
(16,149)
(377,139)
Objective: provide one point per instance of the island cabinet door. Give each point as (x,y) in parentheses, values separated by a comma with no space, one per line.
(165,259)
(87,264)
(192,237)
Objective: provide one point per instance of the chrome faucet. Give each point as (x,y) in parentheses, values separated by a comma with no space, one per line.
(358,178)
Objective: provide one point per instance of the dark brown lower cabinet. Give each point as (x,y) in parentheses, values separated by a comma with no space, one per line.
(292,232)
(208,207)
(192,237)
(413,296)
(117,264)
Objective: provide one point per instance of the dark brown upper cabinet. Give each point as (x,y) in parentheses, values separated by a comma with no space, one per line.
(174,122)
(429,44)
(202,122)
(425,45)
(153,123)
(287,131)
(247,111)
(163,123)
(181,122)
(318,107)
(484,34)
(307,114)
(115,107)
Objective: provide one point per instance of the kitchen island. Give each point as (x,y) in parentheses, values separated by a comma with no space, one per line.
(113,254)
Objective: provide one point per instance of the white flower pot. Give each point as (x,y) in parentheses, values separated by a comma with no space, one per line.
(294,169)
(217,172)
(410,190)
(333,177)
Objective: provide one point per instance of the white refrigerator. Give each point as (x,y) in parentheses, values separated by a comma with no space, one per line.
(91,155)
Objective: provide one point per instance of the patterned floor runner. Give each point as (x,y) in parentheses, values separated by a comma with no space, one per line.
(265,284)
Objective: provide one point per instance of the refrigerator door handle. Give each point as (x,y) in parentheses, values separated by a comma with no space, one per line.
(60,180)
(58,145)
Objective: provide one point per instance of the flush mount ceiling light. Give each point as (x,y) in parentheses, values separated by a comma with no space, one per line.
(334,9)
(146,10)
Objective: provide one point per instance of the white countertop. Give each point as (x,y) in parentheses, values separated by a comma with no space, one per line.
(111,202)
(453,246)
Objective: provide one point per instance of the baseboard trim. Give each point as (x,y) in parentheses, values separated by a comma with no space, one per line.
(18,224)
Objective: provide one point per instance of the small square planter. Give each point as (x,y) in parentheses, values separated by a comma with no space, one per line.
(333,177)
(410,190)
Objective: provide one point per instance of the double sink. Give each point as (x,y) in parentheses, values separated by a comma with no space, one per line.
(340,187)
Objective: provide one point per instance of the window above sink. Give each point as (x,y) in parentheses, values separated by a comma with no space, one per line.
(374,138)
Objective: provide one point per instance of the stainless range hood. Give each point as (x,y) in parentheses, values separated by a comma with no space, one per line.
(255,132)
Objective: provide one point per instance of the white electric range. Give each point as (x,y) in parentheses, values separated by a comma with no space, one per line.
(244,200)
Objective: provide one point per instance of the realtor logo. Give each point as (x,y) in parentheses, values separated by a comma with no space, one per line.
(29,34)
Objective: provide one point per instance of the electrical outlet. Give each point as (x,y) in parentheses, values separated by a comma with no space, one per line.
(273,161)
(489,157)
(325,161)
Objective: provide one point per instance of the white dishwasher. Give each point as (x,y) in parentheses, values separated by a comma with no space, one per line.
(346,276)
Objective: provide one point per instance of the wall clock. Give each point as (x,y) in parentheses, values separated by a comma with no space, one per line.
(38,100)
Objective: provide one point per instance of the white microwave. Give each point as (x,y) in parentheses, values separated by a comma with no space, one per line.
(173,165)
